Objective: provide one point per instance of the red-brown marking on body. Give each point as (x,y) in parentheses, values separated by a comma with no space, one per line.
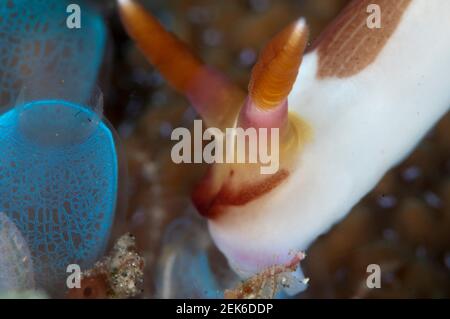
(348,45)
(211,205)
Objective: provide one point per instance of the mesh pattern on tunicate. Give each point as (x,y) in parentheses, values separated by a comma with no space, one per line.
(38,49)
(60,196)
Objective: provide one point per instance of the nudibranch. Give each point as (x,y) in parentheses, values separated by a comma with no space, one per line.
(348,110)
(59,170)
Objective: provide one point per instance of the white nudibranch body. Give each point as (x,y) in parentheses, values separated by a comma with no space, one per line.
(362,125)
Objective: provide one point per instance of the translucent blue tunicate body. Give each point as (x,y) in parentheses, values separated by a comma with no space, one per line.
(58,184)
(37,49)
(58,158)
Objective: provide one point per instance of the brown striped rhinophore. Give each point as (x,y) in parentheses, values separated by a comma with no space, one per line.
(348,46)
(276,70)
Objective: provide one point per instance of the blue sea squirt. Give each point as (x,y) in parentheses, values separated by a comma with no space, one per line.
(59,168)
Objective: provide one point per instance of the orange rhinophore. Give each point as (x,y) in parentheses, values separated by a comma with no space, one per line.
(167,53)
(215,98)
(276,70)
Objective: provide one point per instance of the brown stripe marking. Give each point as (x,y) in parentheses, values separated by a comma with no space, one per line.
(348,46)
(212,205)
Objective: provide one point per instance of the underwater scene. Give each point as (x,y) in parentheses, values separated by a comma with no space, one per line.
(242,149)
